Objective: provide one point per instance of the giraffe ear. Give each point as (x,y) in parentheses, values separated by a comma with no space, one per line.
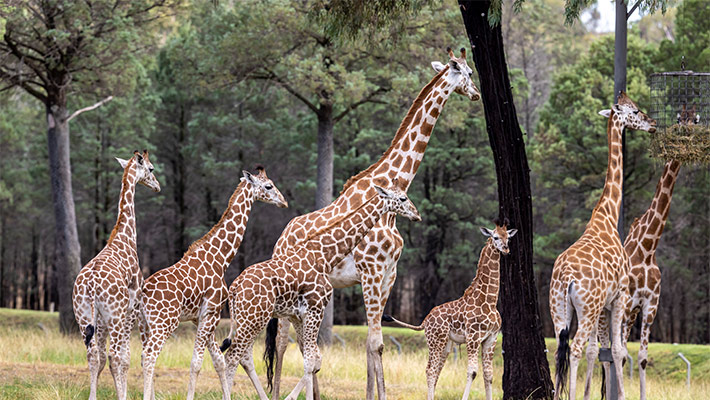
(605,113)
(512,232)
(486,232)
(248,176)
(616,108)
(122,162)
(697,118)
(384,193)
(438,67)
(454,65)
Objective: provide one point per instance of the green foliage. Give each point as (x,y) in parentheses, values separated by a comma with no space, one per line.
(692,39)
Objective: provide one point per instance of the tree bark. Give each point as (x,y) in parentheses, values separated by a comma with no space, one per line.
(68,251)
(526,371)
(620,50)
(324,196)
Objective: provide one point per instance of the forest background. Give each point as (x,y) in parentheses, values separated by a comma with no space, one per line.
(212,88)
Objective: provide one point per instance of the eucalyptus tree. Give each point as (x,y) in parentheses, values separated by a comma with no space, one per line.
(54,49)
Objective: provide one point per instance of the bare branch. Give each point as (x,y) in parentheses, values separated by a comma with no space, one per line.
(357,104)
(273,77)
(89,108)
(628,14)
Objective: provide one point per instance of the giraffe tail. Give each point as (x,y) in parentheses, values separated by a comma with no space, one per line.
(90,328)
(272,330)
(227,342)
(389,318)
(562,359)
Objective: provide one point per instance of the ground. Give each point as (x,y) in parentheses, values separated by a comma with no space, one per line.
(36,362)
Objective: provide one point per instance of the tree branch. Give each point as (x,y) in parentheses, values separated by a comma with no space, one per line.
(628,14)
(357,104)
(273,77)
(89,108)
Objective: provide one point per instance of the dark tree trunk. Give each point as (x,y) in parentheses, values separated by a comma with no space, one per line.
(68,251)
(324,195)
(179,171)
(526,372)
(620,50)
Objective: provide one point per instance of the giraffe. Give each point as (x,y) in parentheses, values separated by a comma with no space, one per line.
(193,289)
(373,263)
(295,285)
(591,276)
(640,245)
(472,318)
(107,290)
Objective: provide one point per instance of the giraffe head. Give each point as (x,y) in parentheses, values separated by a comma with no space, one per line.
(459,75)
(629,114)
(396,201)
(144,169)
(264,189)
(688,117)
(500,235)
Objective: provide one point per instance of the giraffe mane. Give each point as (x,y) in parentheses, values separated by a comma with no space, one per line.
(335,222)
(124,182)
(199,242)
(401,131)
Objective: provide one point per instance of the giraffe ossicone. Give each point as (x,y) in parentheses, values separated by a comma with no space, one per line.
(373,262)
(106,292)
(193,289)
(295,285)
(471,319)
(591,276)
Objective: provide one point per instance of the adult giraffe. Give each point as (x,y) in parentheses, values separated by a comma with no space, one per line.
(373,263)
(640,245)
(107,290)
(592,274)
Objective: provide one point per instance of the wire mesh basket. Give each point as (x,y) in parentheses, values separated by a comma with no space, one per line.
(680,104)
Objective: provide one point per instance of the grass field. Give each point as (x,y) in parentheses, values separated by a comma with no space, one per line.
(36,362)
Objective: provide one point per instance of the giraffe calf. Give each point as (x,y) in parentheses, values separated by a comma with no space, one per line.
(472,319)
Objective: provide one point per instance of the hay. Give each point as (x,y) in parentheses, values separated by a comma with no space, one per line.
(687,144)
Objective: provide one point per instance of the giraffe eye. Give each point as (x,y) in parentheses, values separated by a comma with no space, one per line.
(151,169)
(636,112)
(268,186)
(403,199)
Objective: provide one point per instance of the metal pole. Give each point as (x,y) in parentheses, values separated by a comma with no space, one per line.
(396,343)
(631,366)
(687,375)
(340,339)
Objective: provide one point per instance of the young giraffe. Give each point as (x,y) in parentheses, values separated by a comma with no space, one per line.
(472,319)
(295,285)
(193,289)
(107,290)
(373,263)
(644,275)
(592,274)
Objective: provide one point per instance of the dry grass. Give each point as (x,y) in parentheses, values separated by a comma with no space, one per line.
(687,144)
(42,364)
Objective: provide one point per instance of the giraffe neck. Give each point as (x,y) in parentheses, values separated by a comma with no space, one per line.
(223,240)
(608,206)
(125,228)
(487,280)
(402,158)
(336,240)
(653,221)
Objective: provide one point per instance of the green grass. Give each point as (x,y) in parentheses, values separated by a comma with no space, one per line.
(36,362)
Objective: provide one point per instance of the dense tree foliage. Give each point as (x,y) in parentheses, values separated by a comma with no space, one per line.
(206,106)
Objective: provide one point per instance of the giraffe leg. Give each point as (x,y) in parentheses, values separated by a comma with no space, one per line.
(205,331)
(489,347)
(375,294)
(649,314)
(151,350)
(603,335)
(586,325)
(308,332)
(592,353)
(438,343)
(96,356)
(281,345)
(219,365)
(118,354)
(248,365)
(618,352)
(473,343)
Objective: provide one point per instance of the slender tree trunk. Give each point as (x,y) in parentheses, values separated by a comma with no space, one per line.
(67,239)
(620,42)
(526,371)
(324,195)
